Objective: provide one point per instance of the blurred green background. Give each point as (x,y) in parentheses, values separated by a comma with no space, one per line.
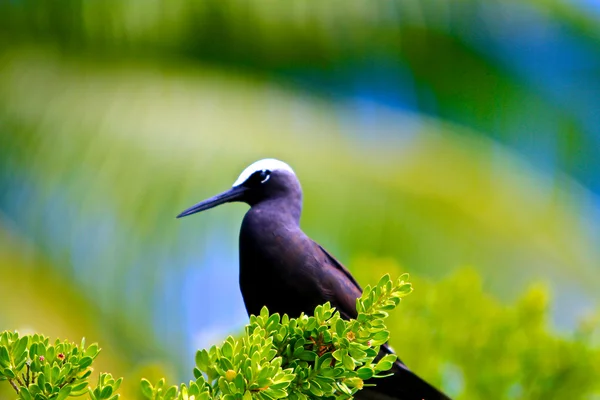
(458,141)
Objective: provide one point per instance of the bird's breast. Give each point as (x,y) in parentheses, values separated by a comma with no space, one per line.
(274,268)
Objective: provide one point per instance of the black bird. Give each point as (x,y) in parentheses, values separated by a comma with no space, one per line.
(284,269)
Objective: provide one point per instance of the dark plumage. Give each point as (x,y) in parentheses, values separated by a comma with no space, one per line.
(284,269)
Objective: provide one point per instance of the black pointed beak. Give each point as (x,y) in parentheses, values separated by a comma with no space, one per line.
(236,193)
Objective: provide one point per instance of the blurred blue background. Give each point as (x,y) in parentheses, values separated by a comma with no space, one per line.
(429,136)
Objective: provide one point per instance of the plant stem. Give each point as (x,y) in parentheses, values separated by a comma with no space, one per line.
(14,385)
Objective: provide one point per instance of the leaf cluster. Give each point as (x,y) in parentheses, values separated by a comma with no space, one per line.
(492,348)
(312,356)
(40,370)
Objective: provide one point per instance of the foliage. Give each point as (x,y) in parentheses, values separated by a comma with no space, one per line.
(320,356)
(478,347)
(39,370)
(510,353)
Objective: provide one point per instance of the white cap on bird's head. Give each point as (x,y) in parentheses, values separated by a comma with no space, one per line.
(266,164)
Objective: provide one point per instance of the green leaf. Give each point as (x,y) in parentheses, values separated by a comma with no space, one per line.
(147,389)
(365,373)
(315,389)
(20,347)
(383,281)
(324,361)
(193,389)
(197,373)
(379,338)
(9,373)
(50,353)
(380,314)
(41,380)
(79,389)
(24,394)
(171,393)
(264,312)
(21,362)
(405,289)
(340,327)
(348,362)
(227,349)
(276,393)
(4,357)
(33,349)
(106,392)
(85,362)
(63,393)
(202,360)
(339,354)
(55,372)
(307,355)
(117,384)
(385,363)
(85,374)
(41,349)
(273,320)
(203,396)
(311,324)
(92,351)
(356,352)
(34,389)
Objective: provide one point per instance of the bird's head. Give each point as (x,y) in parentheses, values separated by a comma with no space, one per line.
(263,180)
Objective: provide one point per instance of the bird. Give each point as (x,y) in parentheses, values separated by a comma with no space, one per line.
(280,267)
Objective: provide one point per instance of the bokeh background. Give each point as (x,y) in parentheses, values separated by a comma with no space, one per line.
(458,141)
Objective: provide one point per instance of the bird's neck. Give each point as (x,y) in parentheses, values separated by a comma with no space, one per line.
(278,210)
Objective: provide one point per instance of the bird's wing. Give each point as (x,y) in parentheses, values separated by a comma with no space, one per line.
(339,266)
(338,284)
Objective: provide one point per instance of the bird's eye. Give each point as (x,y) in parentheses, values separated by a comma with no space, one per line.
(265,175)
(258,178)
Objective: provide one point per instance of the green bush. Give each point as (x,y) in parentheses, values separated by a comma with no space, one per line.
(461,338)
(453,333)
(319,356)
(39,370)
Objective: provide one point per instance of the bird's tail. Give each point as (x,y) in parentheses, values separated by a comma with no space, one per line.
(403,384)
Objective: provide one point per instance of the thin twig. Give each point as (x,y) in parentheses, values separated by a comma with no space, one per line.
(67,382)
(14,385)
